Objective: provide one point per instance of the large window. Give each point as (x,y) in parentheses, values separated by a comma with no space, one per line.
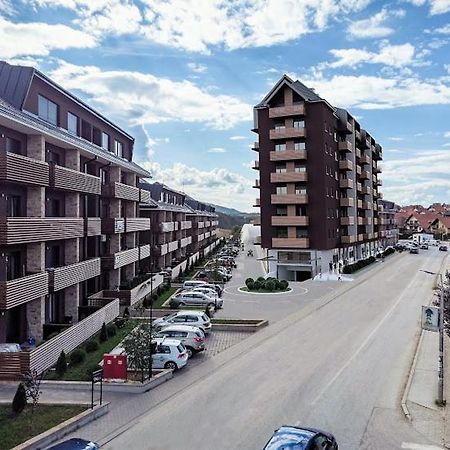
(13,206)
(298,123)
(47,110)
(281,190)
(280,147)
(105,141)
(301,232)
(118,148)
(299,168)
(280,168)
(72,123)
(300,189)
(281,211)
(282,232)
(13,146)
(299,146)
(280,126)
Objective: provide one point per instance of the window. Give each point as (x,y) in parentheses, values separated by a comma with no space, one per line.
(14,265)
(280,126)
(47,110)
(301,232)
(281,190)
(282,232)
(299,146)
(13,146)
(281,211)
(300,168)
(118,149)
(280,168)
(300,189)
(280,147)
(13,206)
(326,149)
(299,123)
(105,141)
(72,123)
(300,210)
(53,157)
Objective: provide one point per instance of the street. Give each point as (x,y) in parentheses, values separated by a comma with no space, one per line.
(339,362)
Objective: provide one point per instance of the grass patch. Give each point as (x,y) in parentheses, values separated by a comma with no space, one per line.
(17,429)
(164,297)
(264,291)
(236,321)
(79,371)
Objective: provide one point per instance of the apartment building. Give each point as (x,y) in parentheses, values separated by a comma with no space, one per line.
(69,225)
(387,223)
(318,182)
(180,226)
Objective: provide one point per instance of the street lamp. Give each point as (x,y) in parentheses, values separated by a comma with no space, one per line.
(440,399)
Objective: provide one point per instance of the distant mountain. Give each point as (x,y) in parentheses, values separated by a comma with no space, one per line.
(230,217)
(228,211)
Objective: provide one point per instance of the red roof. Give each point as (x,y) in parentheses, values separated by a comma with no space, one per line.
(425,219)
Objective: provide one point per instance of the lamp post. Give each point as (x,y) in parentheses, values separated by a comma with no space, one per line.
(150,362)
(440,399)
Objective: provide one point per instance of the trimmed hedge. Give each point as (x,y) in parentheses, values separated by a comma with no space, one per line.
(77,356)
(270,284)
(351,268)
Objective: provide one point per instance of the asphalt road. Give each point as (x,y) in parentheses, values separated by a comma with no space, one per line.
(339,363)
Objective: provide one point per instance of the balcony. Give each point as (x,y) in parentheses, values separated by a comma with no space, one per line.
(365,175)
(358,152)
(288,177)
(172,246)
(207,235)
(290,242)
(358,170)
(366,190)
(345,164)
(380,195)
(163,249)
(256,184)
(144,196)
(144,251)
(376,169)
(133,224)
(345,146)
(379,182)
(257,203)
(360,237)
(345,183)
(92,226)
(185,225)
(73,180)
(22,290)
(167,227)
(348,239)
(22,230)
(359,187)
(255,146)
(360,220)
(367,221)
(200,224)
(290,221)
(20,169)
(256,221)
(382,234)
(347,202)
(364,159)
(289,199)
(359,204)
(207,223)
(62,277)
(185,242)
(285,111)
(288,155)
(357,134)
(113,225)
(120,259)
(346,127)
(255,165)
(287,133)
(122,191)
(366,205)
(201,237)
(346,221)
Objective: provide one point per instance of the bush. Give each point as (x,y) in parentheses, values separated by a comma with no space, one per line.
(91,346)
(61,364)
(249,280)
(250,285)
(283,285)
(20,399)
(261,279)
(257,285)
(103,333)
(91,368)
(270,285)
(111,329)
(77,356)
(173,304)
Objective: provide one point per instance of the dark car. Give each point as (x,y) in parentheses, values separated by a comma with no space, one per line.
(75,444)
(295,438)
(443,248)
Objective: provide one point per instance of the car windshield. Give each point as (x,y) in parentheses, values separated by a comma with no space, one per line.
(181,348)
(289,438)
(205,318)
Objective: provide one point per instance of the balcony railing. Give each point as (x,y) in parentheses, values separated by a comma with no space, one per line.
(122,191)
(359,204)
(345,221)
(185,242)
(366,205)
(201,224)
(345,164)
(367,221)
(255,165)
(22,290)
(358,170)
(347,202)
(144,251)
(172,246)
(133,224)
(345,183)
(290,242)
(366,190)
(348,239)
(167,227)
(288,177)
(20,169)
(73,180)
(256,184)
(290,220)
(257,202)
(22,230)
(163,249)
(185,225)
(294,199)
(359,187)
(345,146)
(365,175)
(288,155)
(144,196)
(287,133)
(255,146)
(285,111)
(364,159)
(92,226)
(62,277)
(120,259)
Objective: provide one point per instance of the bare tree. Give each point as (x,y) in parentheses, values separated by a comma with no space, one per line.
(32,382)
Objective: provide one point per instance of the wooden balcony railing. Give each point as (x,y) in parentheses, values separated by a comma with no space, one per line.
(62,277)
(288,177)
(120,259)
(92,226)
(172,246)
(288,155)
(167,227)
(137,224)
(185,241)
(345,164)
(290,242)
(345,146)
(285,111)
(345,183)
(73,180)
(21,169)
(365,175)
(287,133)
(348,202)
(348,239)
(293,199)
(121,190)
(144,196)
(144,251)
(186,225)
(290,220)
(345,221)
(22,290)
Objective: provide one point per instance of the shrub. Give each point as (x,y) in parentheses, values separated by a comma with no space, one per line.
(77,356)
(20,399)
(270,285)
(283,285)
(257,285)
(103,333)
(249,281)
(61,364)
(250,285)
(277,284)
(91,346)
(173,303)
(261,279)
(388,251)
(111,329)
(91,368)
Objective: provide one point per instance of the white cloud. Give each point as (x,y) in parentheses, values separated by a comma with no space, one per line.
(197,68)
(436,6)
(443,30)
(39,39)
(219,185)
(142,98)
(238,138)
(374,27)
(396,138)
(6,8)
(447,134)
(390,55)
(217,150)
(446,145)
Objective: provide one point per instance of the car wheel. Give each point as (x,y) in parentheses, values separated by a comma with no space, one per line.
(170,365)
(211,305)
(189,351)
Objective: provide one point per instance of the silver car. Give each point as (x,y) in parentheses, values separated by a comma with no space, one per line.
(194,318)
(195,298)
(193,338)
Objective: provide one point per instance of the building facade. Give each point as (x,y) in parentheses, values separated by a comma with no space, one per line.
(318,182)
(387,228)
(69,225)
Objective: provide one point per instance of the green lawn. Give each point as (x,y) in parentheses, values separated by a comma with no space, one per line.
(79,371)
(264,291)
(17,429)
(163,297)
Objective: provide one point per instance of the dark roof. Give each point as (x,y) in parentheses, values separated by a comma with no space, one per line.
(304,91)
(14,83)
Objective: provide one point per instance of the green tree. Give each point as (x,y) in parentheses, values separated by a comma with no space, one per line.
(61,364)
(20,399)
(103,333)
(137,348)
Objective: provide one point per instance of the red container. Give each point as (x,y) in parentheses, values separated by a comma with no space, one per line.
(115,366)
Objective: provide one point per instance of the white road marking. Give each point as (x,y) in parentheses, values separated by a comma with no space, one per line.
(412,446)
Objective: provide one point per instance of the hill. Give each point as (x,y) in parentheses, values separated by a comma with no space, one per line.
(230,217)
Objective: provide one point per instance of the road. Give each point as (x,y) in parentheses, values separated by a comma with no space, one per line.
(339,363)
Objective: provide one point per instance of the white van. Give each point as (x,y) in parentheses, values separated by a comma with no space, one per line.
(191,284)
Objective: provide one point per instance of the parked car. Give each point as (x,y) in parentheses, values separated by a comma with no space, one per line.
(443,248)
(190,284)
(196,318)
(301,439)
(75,444)
(169,354)
(193,338)
(210,292)
(217,288)
(414,250)
(424,247)
(195,298)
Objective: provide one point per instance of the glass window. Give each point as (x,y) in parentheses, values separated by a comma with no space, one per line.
(281,211)
(105,141)
(119,149)
(282,232)
(72,123)
(300,168)
(281,190)
(301,232)
(300,190)
(299,123)
(280,147)
(299,146)
(280,126)
(13,146)
(280,168)
(47,110)
(13,206)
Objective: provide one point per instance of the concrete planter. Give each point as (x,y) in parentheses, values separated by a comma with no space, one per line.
(239,325)
(56,433)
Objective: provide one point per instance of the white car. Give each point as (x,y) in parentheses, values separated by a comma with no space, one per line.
(195,298)
(194,318)
(193,338)
(169,354)
(210,292)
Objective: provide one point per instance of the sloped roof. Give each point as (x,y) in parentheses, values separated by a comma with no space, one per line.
(445,220)
(425,219)
(14,83)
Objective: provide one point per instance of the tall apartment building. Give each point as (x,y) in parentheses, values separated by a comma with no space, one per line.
(386,223)
(180,226)
(318,182)
(69,225)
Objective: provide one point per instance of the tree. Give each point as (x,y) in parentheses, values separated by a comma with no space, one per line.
(32,381)
(61,364)
(103,333)
(20,399)
(137,346)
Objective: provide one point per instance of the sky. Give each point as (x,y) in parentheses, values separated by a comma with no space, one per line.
(182,77)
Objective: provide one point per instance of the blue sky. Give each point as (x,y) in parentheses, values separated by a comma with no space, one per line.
(182,77)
